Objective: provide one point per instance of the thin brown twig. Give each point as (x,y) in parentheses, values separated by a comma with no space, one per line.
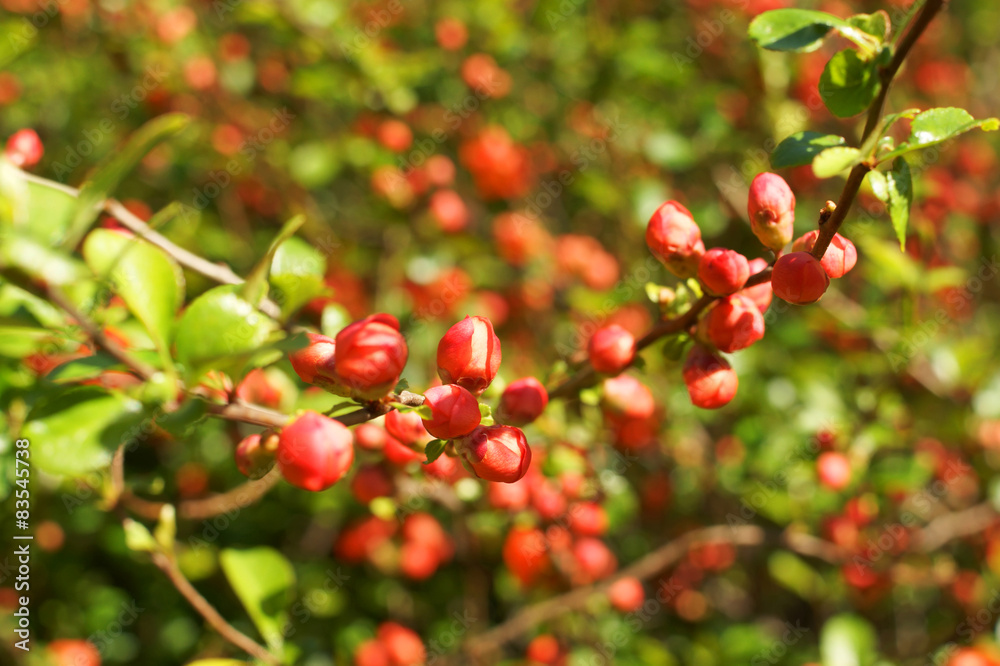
(233,499)
(207,611)
(886,76)
(955,525)
(218,272)
(95,333)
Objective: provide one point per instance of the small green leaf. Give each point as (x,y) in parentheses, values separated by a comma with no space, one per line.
(877,24)
(401,386)
(49,213)
(935,126)
(77,430)
(147,278)
(138,538)
(895,189)
(434,450)
(166,529)
(848,84)
(803,30)
(799,30)
(39,261)
(486,415)
(848,640)
(297,272)
(835,160)
(263,580)
(88,367)
(222,331)
(255,287)
(800,148)
(113,169)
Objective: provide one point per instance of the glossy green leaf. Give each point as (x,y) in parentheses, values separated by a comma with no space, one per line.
(877,24)
(835,160)
(848,84)
(297,274)
(802,30)
(434,450)
(255,287)
(800,148)
(263,580)
(147,278)
(39,262)
(848,640)
(138,537)
(74,432)
(88,367)
(935,126)
(113,169)
(895,189)
(49,213)
(222,331)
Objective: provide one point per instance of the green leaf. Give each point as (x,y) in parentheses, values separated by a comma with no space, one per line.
(88,367)
(800,148)
(39,261)
(222,331)
(848,640)
(486,415)
(434,450)
(835,160)
(335,318)
(263,580)
(848,84)
(297,273)
(877,24)
(49,213)
(895,189)
(935,126)
(147,278)
(166,529)
(113,169)
(255,288)
(74,432)
(803,30)
(138,538)
(217,662)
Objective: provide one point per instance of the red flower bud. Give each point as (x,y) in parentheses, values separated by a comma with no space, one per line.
(454,411)
(371,481)
(761,293)
(371,653)
(723,271)
(611,349)
(398,454)
(255,454)
(469,354)
(315,451)
(626,398)
(407,427)
(834,470)
(711,382)
(315,363)
(260,389)
(370,355)
(525,553)
(594,560)
(371,437)
(588,519)
(626,594)
(799,278)
(496,453)
(522,402)
(403,645)
(771,208)
(24,148)
(73,652)
(675,239)
(544,649)
(734,323)
(840,255)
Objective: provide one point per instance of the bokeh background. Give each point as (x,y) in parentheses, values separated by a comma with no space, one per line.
(502,158)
